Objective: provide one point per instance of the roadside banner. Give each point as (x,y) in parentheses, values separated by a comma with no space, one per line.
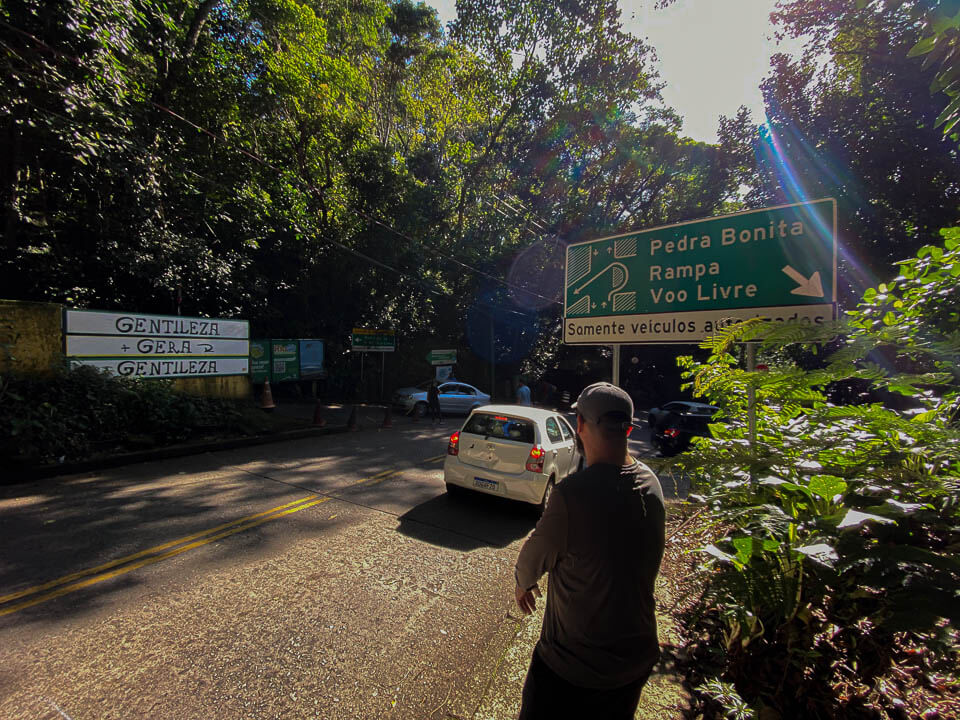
(285,356)
(260,360)
(311,360)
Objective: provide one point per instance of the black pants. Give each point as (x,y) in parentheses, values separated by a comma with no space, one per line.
(434,408)
(547,695)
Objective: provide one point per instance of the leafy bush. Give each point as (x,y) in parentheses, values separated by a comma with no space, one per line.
(841,523)
(81,412)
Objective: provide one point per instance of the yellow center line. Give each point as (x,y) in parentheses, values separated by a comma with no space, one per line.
(151,555)
(157,558)
(384,476)
(142,553)
(379,475)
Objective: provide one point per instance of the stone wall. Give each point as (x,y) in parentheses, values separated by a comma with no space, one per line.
(30,337)
(229,386)
(31,343)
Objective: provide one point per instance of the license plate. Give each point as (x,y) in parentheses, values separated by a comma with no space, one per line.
(485,484)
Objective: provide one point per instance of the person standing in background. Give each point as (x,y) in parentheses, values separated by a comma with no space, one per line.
(433,402)
(523,393)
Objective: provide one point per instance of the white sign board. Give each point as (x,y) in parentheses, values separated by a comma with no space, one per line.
(670,328)
(95,322)
(136,346)
(153,367)
(156,346)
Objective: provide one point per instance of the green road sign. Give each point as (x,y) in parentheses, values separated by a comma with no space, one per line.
(442,357)
(286,360)
(682,283)
(364,340)
(260,360)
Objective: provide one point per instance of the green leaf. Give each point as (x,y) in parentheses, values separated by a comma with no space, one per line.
(906,390)
(923,47)
(749,546)
(952,108)
(719,554)
(827,486)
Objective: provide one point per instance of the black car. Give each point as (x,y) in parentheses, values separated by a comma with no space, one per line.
(672,426)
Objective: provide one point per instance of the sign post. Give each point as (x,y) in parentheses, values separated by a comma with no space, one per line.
(364,340)
(682,283)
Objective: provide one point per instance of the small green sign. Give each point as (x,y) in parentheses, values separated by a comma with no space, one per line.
(259,360)
(286,360)
(366,340)
(442,357)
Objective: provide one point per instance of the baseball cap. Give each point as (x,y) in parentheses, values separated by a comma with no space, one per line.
(601,399)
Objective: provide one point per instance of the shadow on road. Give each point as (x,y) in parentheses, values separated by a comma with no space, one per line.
(468,521)
(68,524)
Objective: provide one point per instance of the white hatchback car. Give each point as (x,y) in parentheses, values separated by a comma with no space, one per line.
(514,451)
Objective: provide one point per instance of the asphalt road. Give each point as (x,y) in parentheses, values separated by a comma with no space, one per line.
(329,577)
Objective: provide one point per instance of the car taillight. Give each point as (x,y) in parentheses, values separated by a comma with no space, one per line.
(535,460)
(453,447)
(671,432)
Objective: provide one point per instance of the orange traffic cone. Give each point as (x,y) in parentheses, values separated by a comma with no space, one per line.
(266,400)
(387,420)
(318,419)
(352,423)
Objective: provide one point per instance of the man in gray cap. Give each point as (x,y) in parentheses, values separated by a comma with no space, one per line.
(601,538)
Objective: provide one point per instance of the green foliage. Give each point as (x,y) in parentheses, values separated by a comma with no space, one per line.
(314,166)
(939,46)
(84,412)
(724,694)
(842,519)
(837,124)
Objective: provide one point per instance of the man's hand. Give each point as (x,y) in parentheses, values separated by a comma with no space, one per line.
(526,599)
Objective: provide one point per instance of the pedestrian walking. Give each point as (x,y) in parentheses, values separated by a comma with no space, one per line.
(433,402)
(601,538)
(523,394)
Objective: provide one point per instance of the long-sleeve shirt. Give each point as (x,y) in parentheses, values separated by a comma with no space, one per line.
(601,538)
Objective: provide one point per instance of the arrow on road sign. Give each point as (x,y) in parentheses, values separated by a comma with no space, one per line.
(811,287)
(620,275)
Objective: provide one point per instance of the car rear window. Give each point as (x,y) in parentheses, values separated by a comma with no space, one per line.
(702,410)
(501,427)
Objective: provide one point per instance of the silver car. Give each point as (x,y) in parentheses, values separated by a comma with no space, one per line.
(456,398)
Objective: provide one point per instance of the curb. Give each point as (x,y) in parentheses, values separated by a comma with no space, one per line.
(41,472)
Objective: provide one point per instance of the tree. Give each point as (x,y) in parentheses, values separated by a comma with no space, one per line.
(861,128)
(315,165)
